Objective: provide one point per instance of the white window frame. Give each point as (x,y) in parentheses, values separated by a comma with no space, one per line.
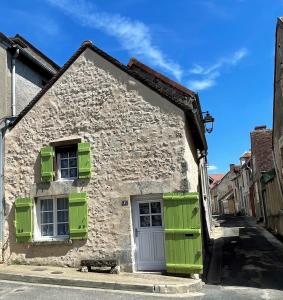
(37,220)
(58,162)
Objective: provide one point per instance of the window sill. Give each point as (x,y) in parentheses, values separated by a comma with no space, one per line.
(52,242)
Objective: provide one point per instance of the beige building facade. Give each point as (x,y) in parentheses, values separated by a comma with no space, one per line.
(142,144)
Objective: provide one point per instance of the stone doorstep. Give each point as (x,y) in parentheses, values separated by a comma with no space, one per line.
(170,288)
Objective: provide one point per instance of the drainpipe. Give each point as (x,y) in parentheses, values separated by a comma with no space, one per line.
(2,126)
(14,57)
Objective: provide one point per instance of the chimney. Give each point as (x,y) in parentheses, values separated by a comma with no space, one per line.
(232,167)
(261,127)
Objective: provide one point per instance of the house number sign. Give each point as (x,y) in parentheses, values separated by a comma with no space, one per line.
(125,202)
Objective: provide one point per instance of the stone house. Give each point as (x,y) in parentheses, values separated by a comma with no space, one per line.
(214,180)
(107,158)
(223,195)
(273,179)
(24,70)
(242,183)
(261,162)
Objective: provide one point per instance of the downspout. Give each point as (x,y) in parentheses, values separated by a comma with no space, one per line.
(2,128)
(14,57)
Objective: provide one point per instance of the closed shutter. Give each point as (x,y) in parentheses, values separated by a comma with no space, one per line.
(23,220)
(78,216)
(84,160)
(47,157)
(183,239)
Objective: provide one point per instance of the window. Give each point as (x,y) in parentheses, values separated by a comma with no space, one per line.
(150,214)
(52,218)
(67,164)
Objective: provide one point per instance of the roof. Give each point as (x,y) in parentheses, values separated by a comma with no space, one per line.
(247,154)
(31,49)
(186,100)
(261,143)
(29,52)
(216,179)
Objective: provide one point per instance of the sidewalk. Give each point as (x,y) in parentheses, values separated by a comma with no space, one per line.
(139,282)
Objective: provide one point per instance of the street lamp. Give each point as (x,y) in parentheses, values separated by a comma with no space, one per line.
(208,119)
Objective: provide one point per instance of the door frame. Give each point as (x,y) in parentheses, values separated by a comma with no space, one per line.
(134,202)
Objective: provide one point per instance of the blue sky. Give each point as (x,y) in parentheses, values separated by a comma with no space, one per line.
(222,49)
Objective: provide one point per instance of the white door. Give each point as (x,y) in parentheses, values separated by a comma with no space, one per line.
(149,235)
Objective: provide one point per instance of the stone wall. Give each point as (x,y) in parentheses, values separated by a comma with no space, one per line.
(140,145)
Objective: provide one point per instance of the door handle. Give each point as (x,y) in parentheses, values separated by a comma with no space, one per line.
(136,232)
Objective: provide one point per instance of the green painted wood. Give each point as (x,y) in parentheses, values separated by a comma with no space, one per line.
(183,239)
(84,160)
(23,220)
(47,162)
(78,216)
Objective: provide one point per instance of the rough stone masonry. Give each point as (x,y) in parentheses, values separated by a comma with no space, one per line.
(140,143)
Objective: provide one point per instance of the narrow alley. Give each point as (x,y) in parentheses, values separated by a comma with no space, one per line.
(247,256)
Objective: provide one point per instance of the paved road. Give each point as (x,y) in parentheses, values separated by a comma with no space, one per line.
(252,268)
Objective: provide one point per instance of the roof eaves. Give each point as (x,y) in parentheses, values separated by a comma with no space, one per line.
(42,55)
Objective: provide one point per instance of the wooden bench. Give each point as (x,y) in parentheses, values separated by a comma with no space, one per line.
(113,264)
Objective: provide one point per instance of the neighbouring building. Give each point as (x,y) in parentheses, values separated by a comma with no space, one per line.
(103,163)
(222,193)
(214,180)
(273,179)
(261,162)
(242,184)
(24,71)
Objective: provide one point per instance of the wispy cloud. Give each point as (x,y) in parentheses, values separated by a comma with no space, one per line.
(134,36)
(209,74)
(212,168)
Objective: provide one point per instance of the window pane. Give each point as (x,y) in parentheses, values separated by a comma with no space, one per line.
(64,163)
(64,154)
(145,221)
(156,220)
(64,173)
(155,207)
(46,217)
(62,216)
(63,229)
(47,230)
(72,154)
(62,203)
(73,162)
(144,208)
(73,172)
(46,205)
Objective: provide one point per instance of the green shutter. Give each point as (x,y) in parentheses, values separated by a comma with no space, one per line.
(78,216)
(47,172)
(84,160)
(23,220)
(183,239)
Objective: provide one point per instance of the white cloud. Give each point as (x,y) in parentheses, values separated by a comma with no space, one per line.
(133,35)
(212,168)
(210,73)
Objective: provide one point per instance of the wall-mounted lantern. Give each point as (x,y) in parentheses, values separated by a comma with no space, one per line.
(208,119)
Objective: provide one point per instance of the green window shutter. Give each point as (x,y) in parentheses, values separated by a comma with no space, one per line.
(84,160)
(23,220)
(47,172)
(78,216)
(183,239)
